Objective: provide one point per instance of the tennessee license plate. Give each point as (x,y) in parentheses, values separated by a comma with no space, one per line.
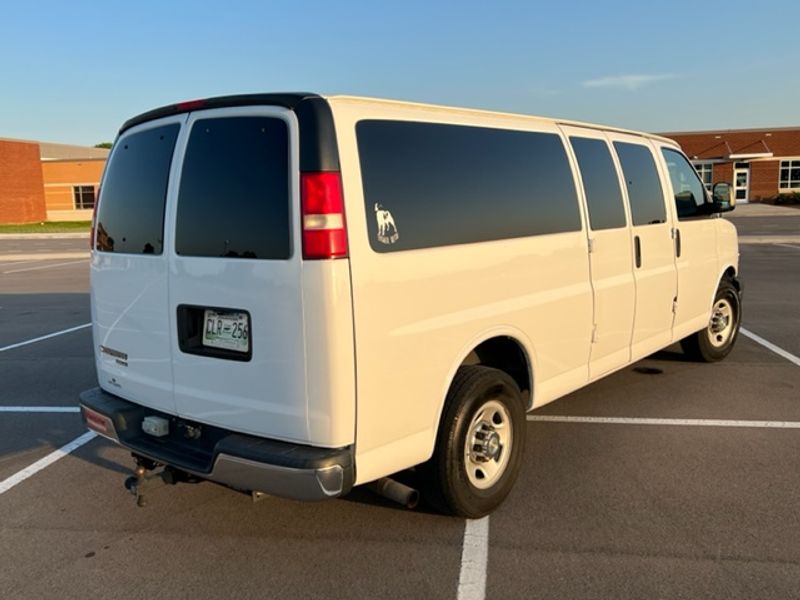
(229,331)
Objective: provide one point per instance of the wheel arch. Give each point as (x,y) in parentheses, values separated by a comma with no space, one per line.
(728,271)
(505,348)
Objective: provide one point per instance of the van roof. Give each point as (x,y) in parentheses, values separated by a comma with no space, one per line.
(292,99)
(478,112)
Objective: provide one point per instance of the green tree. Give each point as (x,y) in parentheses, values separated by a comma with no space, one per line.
(106,145)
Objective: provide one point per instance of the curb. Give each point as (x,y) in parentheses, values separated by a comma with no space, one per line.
(33,256)
(44,236)
(769,239)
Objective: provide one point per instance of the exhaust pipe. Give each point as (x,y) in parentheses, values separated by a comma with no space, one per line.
(395,491)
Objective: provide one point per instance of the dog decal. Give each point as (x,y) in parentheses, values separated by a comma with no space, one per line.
(387,230)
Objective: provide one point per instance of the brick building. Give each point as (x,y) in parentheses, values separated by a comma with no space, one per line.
(761,163)
(71,176)
(43,181)
(21,183)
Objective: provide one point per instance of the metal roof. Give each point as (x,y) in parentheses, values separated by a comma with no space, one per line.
(54,151)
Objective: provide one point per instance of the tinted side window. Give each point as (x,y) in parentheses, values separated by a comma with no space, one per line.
(130,218)
(431,185)
(644,188)
(686,186)
(234,193)
(600,183)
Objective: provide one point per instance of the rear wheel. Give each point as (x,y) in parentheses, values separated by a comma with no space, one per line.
(716,341)
(479,445)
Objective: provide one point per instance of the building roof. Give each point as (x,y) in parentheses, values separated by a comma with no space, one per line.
(53,151)
(734,144)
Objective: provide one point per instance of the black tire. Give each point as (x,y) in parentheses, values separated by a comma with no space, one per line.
(716,341)
(491,398)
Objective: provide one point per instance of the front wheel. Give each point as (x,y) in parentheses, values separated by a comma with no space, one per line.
(716,341)
(480,443)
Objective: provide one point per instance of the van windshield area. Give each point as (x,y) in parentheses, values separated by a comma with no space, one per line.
(130,217)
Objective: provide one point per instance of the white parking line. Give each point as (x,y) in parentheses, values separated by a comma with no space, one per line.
(20,262)
(39,268)
(788,246)
(674,422)
(40,409)
(45,462)
(45,337)
(474,560)
(475,551)
(770,346)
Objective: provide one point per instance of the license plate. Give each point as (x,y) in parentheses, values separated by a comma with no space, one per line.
(229,331)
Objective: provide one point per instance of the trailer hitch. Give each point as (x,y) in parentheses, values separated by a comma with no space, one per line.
(145,477)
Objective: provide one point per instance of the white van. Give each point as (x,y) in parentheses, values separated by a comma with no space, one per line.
(295,294)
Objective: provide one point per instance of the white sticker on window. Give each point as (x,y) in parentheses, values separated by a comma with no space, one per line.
(387,230)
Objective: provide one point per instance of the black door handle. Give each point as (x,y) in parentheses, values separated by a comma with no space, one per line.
(678,243)
(637,250)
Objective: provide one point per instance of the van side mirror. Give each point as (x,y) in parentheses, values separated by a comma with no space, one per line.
(723,199)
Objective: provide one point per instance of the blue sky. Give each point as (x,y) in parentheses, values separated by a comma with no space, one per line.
(74,71)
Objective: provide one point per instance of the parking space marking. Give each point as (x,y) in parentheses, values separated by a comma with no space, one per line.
(45,337)
(39,268)
(40,409)
(474,560)
(21,262)
(788,246)
(673,422)
(45,462)
(770,346)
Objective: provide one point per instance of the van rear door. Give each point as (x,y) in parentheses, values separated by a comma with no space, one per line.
(235,284)
(130,266)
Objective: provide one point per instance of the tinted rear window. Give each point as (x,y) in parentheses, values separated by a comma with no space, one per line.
(430,184)
(600,183)
(644,187)
(234,193)
(130,218)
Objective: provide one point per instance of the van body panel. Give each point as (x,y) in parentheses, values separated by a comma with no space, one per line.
(130,326)
(727,246)
(656,277)
(267,394)
(330,376)
(611,267)
(141,303)
(415,309)
(131,336)
(695,242)
(696,266)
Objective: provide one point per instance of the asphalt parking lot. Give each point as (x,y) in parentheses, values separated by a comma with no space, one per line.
(675,480)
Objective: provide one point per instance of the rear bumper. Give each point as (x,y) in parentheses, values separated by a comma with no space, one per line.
(241,461)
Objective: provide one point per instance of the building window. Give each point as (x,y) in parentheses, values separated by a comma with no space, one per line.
(790,174)
(84,196)
(705,171)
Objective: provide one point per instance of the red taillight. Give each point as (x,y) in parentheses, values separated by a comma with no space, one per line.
(324,227)
(96,421)
(94,219)
(190,105)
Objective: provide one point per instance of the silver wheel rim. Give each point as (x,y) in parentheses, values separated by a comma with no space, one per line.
(721,325)
(487,448)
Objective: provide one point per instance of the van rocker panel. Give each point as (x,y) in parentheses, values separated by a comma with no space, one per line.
(238,460)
